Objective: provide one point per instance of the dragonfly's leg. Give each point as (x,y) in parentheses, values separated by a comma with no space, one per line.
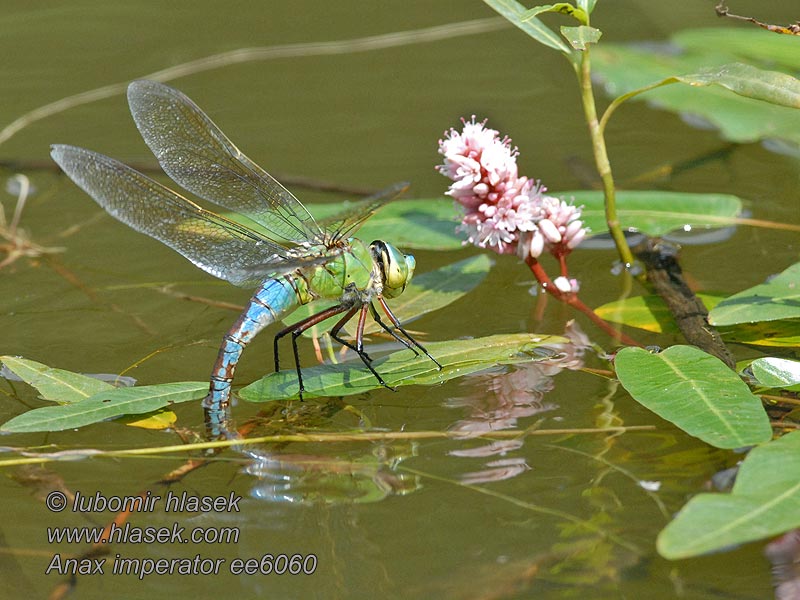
(297,330)
(389,330)
(362,317)
(399,327)
(334,333)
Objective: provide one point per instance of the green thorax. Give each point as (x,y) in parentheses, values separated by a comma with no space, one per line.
(354,271)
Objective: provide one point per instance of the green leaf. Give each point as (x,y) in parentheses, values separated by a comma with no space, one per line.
(657,213)
(740,119)
(514,12)
(750,82)
(426,293)
(106,405)
(696,392)
(776,372)
(587,5)
(764,502)
(458,358)
(580,37)
(650,313)
(777,299)
(564,8)
(779,334)
(56,385)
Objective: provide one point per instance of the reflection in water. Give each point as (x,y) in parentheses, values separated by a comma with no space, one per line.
(509,397)
(369,476)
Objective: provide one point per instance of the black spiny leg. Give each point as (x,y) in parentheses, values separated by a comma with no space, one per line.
(362,318)
(377,318)
(297,330)
(359,347)
(399,327)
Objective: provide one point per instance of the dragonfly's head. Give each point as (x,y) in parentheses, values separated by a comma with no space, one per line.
(396,268)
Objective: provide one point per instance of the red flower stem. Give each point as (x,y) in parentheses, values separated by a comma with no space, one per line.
(562,260)
(572,300)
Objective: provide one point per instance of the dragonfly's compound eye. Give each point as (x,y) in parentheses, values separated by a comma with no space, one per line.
(396,267)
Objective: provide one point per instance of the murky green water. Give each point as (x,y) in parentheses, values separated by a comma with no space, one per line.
(404,523)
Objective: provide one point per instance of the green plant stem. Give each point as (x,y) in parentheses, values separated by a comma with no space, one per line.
(601,158)
(572,300)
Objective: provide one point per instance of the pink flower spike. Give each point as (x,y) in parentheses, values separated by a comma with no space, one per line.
(549,231)
(576,239)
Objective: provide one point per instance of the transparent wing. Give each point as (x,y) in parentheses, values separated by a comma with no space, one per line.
(217,245)
(200,158)
(343,224)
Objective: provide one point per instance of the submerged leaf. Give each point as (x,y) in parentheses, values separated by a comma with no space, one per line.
(777,299)
(106,405)
(458,358)
(765,501)
(696,392)
(56,385)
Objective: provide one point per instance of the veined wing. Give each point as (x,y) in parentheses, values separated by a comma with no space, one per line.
(343,224)
(217,245)
(195,153)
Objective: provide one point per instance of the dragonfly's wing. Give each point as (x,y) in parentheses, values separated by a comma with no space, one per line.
(217,245)
(198,156)
(343,224)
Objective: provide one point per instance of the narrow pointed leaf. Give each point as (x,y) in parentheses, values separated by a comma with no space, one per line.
(515,13)
(777,299)
(696,392)
(56,385)
(565,8)
(764,502)
(750,82)
(458,358)
(106,405)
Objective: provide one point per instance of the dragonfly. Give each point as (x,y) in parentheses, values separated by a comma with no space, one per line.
(290,257)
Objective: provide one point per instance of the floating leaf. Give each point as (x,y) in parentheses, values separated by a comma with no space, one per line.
(779,334)
(657,213)
(458,358)
(696,392)
(765,501)
(106,405)
(426,293)
(650,313)
(777,299)
(776,372)
(56,385)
